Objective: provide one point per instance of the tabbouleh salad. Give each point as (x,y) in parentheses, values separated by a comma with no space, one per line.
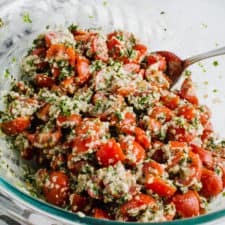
(110,139)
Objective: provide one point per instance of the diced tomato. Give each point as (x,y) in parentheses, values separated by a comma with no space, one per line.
(142,138)
(187,111)
(55,72)
(78,202)
(136,202)
(194,166)
(110,153)
(39,51)
(47,139)
(127,123)
(208,130)
(48,38)
(159,186)
(99,47)
(187,205)
(101,214)
(44,81)
(154,126)
(43,112)
(153,167)
(171,101)
(62,52)
(57,161)
(15,126)
(68,85)
(72,120)
(82,69)
(177,145)
(212,183)
(131,67)
(162,113)
(140,51)
(188,91)
(156,58)
(205,156)
(134,150)
(158,80)
(205,114)
(56,188)
(181,133)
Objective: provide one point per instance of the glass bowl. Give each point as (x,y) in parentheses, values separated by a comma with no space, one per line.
(184,27)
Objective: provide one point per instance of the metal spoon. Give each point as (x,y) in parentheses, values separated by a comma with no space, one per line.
(175,65)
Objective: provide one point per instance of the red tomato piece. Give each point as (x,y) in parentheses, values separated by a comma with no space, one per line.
(83,72)
(99,47)
(135,150)
(212,183)
(127,123)
(43,112)
(170,100)
(153,167)
(136,202)
(71,120)
(205,156)
(159,186)
(208,130)
(101,214)
(205,114)
(162,113)
(110,153)
(56,188)
(187,111)
(142,138)
(187,205)
(140,51)
(131,67)
(44,81)
(78,202)
(188,91)
(154,126)
(15,126)
(195,169)
(39,52)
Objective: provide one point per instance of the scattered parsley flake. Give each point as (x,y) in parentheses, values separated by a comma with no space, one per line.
(47,27)
(215,63)
(26,18)
(216,44)
(13,59)
(187,73)
(204,25)
(91,17)
(162,13)
(202,66)
(1,23)
(206,82)
(6,73)
(223,194)
(215,90)
(118,115)
(165,29)
(105,3)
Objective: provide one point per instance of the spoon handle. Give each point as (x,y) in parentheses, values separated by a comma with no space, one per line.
(209,54)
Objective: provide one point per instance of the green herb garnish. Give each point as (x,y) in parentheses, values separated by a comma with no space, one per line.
(6,73)
(26,18)
(215,63)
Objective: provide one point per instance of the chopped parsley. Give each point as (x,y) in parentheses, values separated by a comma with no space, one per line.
(118,115)
(64,108)
(162,13)
(105,3)
(91,16)
(13,59)
(73,27)
(215,63)
(1,23)
(187,73)
(26,18)
(215,90)
(6,73)
(204,25)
